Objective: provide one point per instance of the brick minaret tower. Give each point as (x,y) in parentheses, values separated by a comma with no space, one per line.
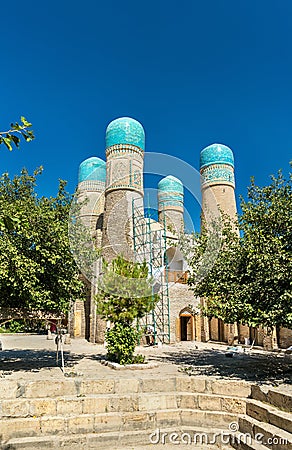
(217,186)
(91,187)
(217,182)
(125,142)
(171,203)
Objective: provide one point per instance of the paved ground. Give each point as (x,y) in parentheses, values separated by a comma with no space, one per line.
(34,357)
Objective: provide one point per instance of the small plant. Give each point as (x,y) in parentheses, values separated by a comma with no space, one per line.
(121,342)
(16,327)
(138,359)
(125,296)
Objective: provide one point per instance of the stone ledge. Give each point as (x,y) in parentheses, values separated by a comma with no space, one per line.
(117,366)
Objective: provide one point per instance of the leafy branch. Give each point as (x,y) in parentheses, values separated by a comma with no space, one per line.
(13,136)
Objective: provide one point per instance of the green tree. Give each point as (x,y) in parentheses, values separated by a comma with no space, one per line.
(37,269)
(12,136)
(124,295)
(251,279)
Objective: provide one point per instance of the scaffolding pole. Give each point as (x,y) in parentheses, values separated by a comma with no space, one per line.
(150,245)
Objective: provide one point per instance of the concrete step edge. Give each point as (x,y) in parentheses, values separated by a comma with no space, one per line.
(265,427)
(75,386)
(253,445)
(277,399)
(118,413)
(115,437)
(269,407)
(269,414)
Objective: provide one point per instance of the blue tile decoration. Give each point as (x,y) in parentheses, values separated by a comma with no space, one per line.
(216,154)
(170,184)
(170,192)
(218,173)
(125,130)
(92,169)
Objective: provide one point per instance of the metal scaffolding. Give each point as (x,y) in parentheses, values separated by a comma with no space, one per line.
(149,240)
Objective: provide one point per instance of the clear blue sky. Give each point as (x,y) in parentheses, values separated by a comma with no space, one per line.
(193,72)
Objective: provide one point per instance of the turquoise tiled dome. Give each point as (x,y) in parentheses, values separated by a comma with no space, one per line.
(125,131)
(92,169)
(216,154)
(171,184)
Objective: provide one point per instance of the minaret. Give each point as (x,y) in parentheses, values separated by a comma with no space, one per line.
(217,186)
(171,204)
(125,143)
(90,194)
(217,182)
(91,187)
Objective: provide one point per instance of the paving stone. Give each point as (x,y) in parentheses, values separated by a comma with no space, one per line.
(126,386)
(53,425)
(154,402)
(123,403)
(49,388)
(70,406)
(229,387)
(280,400)
(40,407)
(97,387)
(80,424)
(108,422)
(8,389)
(190,384)
(158,385)
(233,405)
(187,401)
(15,408)
(137,421)
(13,428)
(209,402)
(94,405)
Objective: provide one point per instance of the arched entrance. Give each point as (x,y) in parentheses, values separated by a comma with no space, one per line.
(187,329)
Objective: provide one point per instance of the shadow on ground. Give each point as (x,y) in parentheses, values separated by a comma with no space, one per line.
(33,360)
(256,367)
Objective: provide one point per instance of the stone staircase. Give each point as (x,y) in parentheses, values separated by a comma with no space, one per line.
(135,413)
(267,423)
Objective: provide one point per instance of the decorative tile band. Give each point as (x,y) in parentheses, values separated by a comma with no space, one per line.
(219,173)
(169,200)
(91,185)
(122,149)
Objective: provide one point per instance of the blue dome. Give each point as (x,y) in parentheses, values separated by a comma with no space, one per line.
(125,131)
(170,184)
(216,154)
(92,169)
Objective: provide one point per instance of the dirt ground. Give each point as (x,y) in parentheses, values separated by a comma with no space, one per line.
(34,357)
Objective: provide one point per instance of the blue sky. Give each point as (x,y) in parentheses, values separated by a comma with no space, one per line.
(192,72)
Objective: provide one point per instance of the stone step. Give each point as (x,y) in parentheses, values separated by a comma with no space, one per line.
(243,444)
(113,422)
(265,433)
(161,439)
(274,397)
(90,404)
(69,387)
(269,414)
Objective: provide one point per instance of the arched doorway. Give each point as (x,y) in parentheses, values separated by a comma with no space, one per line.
(187,329)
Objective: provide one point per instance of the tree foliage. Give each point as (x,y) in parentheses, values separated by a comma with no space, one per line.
(37,270)
(16,131)
(251,279)
(124,295)
(124,291)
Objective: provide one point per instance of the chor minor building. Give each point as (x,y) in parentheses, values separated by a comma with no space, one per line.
(112,197)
